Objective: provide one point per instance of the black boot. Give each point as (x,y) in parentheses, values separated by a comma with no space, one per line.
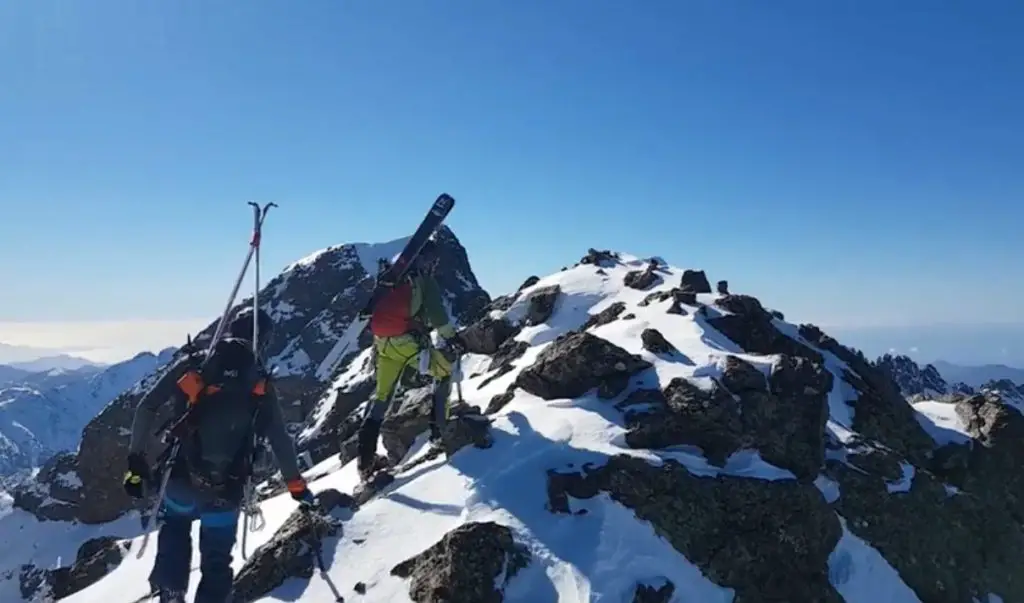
(369,431)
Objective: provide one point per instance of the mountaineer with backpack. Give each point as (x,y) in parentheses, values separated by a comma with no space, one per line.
(401,322)
(233,405)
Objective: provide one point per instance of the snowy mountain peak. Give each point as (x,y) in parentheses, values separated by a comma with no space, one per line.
(625,432)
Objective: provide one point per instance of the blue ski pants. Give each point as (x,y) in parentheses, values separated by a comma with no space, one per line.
(218,524)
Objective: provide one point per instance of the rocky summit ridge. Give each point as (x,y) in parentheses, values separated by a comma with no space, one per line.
(628,432)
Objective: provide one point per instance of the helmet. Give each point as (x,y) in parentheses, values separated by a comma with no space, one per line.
(241,324)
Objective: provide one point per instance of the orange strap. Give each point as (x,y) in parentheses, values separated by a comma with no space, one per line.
(192,386)
(296,485)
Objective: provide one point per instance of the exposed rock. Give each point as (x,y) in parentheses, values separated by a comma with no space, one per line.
(508,352)
(464,566)
(651,399)
(723,287)
(751,328)
(502,362)
(629,316)
(678,297)
(290,552)
(948,548)
(466,427)
(677,308)
(499,401)
(768,540)
(51,495)
(880,411)
(654,342)
(695,281)
(785,423)
(542,304)
(529,282)
(643,279)
(740,376)
(337,427)
(654,594)
(485,336)
(605,316)
(577,362)
(95,559)
(911,378)
(605,258)
(993,469)
(407,421)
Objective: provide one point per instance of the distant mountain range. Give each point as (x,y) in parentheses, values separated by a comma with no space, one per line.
(42,413)
(976,376)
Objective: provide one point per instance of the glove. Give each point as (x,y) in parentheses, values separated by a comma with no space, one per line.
(455,345)
(300,493)
(137,477)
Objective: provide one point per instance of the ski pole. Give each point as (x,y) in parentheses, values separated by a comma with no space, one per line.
(259,214)
(254,244)
(457,378)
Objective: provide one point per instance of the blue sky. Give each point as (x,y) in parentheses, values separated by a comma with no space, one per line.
(851,163)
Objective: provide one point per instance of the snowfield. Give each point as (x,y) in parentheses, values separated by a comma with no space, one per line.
(598,556)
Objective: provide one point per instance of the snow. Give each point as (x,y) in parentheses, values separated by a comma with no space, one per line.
(905,482)
(48,544)
(349,340)
(940,421)
(597,556)
(862,575)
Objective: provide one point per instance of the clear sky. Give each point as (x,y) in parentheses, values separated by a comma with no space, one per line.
(851,163)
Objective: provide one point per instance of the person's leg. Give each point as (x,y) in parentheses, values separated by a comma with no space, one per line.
(393,356)
(218,527)
(174,543)
(441,370)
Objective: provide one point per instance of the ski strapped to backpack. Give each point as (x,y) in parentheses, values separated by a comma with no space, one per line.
(442,206)
(172,435)
(390,276)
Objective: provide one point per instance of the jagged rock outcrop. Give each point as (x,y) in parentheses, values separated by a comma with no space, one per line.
(1007,390)
(646,593)
(471,564)
(880,411)
(948,547)
(578,362)
(911,378)
(644,279)
(608,315)
(600,258)
(94,559)
(313,302)
(290,553)
(770,541)
(993,464)
(695,281)
(541,304)
(486,335)
(782,416)
(654,342)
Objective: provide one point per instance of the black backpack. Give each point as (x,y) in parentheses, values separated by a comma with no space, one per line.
(226,419)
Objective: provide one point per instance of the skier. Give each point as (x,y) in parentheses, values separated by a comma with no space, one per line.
(236,406)
(400,323)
